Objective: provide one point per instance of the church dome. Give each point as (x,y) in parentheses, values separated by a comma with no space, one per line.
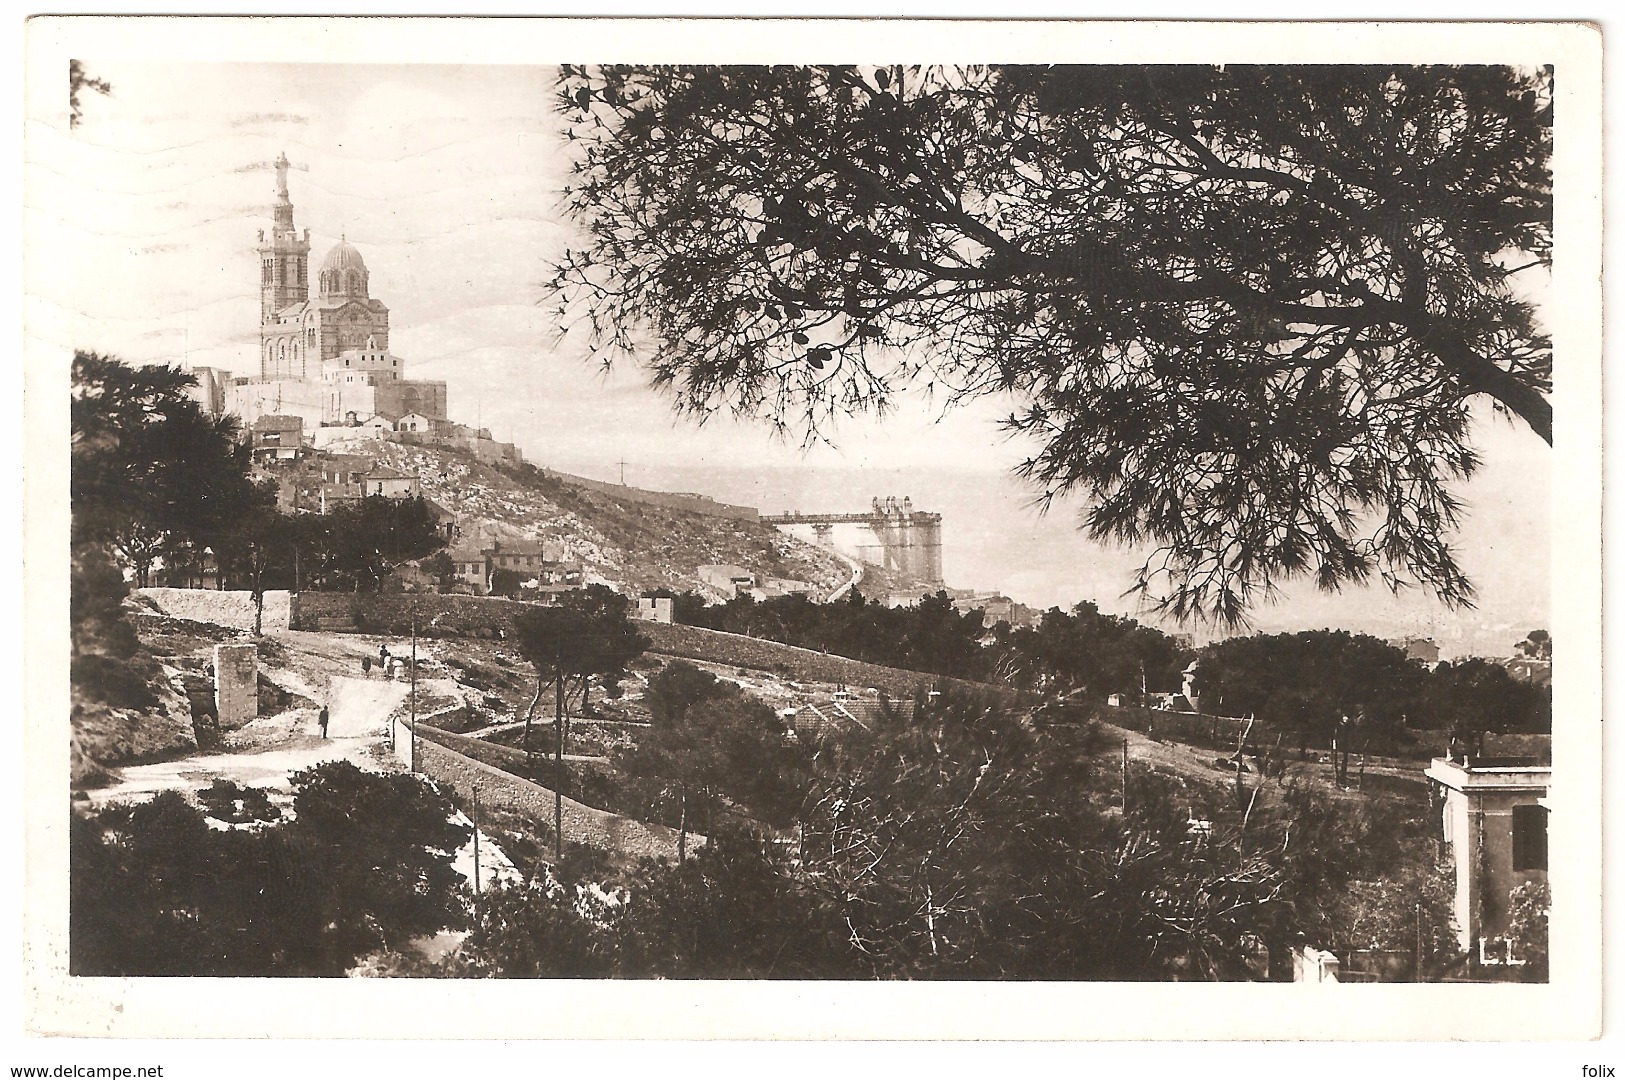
(344,256)
(343,272)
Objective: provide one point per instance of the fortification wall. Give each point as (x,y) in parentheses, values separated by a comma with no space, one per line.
(672,500)
(492,616)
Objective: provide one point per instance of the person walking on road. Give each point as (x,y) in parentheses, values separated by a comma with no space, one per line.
(383,655)
(321,719)
(366,665)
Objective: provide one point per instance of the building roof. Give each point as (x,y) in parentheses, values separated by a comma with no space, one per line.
(386,473)
(279,422)
(499,548)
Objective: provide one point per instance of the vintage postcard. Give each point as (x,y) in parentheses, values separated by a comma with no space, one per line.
(812,529)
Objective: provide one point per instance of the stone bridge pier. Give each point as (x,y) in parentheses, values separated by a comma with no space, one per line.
(905,542)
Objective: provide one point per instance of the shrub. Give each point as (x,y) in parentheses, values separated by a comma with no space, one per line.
(121,683)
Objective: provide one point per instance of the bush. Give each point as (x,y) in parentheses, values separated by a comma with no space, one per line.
(123,684)
(364,864)
(228,801)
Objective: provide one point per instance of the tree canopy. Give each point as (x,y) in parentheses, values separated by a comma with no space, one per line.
(151,474)
(363,863)
(1243,312)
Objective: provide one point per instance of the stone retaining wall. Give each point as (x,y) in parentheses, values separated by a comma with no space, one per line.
(715,646)
(1196,729)
(492,616)
(582,824)
(223,608)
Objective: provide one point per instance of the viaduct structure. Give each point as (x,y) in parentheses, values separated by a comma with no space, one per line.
(905,542)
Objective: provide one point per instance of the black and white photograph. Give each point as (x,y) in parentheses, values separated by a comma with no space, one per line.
(1019,509)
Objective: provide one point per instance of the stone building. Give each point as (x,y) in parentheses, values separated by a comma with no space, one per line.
(277,438)
(726,578)
(657,605)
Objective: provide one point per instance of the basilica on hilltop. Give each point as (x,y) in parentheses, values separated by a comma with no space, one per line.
(324,358)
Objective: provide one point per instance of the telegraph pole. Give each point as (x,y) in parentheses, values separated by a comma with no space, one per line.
(1125,778)
(558,763)
(414,693)
(476,839)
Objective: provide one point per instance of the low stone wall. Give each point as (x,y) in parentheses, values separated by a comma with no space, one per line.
(222,608)
(1197,729)
(492,616)
(488,753)
(715,646)
(582,824)
(436,615)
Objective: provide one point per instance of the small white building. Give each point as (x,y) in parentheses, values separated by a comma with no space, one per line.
(390,483)
(656,607)
(1493,812)
(727,579)
(415,423)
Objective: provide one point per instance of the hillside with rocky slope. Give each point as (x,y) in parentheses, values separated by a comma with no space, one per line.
(622,542)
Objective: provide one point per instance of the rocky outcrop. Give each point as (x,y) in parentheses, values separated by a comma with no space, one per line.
(105,735)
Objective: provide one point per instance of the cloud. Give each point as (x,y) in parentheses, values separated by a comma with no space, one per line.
(254,119)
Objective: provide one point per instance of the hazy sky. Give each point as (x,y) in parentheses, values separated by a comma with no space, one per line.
(144,221)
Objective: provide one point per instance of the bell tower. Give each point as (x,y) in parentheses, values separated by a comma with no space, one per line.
(285,257)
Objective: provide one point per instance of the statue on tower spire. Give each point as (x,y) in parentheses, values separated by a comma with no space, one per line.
(282,213)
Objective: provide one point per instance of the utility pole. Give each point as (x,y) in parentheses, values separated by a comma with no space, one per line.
(1419,977)
(1125,778)
(558,762)
(414,693)
(622,464)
